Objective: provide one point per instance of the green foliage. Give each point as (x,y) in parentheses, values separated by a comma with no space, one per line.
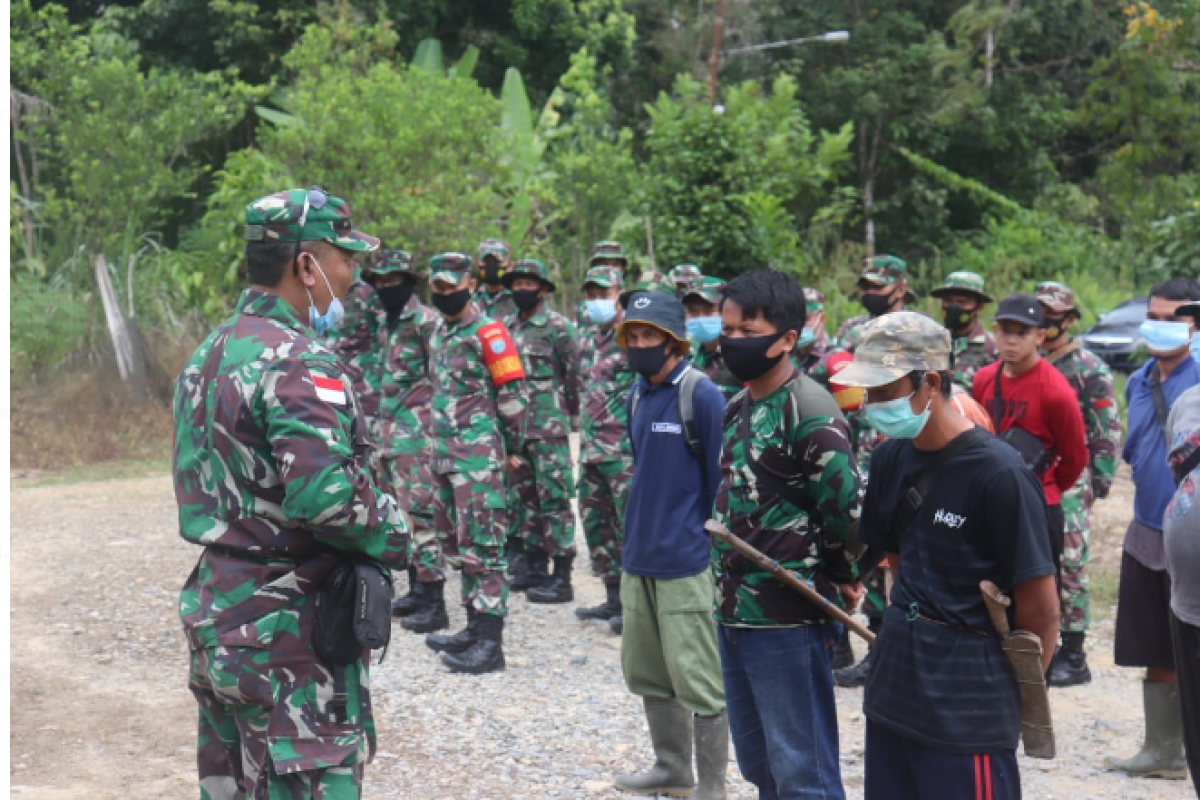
(47,320)
(1175,244)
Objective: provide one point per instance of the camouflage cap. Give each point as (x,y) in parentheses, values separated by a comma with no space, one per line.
(708,289)
(276,218)
(685,274)
(882,271)
(965,283)
(651,281)
(1055,296)
(394,260)
(608,250)
(449,267)
(814,301)
(894,345)
(605,277)
(528,268)
(495,248)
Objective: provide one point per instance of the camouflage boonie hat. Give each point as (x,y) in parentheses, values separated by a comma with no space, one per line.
(708,289)
(605,277)
(608,250)
(1055,296)
(528,268)
(964,282)
(894,345)
(814,301)
(449,267)
(497,249)
(394,260)
(685,274)
(276,218)
(882,271)
(651,281)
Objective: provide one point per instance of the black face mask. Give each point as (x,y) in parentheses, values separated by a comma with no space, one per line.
(527,299)
(395,298)
(747,357)
(648,361)
(1054,329)
(878,304)
(452,304)
(492,273)
(957,318)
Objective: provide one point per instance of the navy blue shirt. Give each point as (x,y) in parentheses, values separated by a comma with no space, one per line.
(1146,445)
(673,491)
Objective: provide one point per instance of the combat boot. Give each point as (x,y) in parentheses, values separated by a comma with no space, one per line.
(1069,667)
(558,588)
(486,653)
(856,676)
(431,616)
(516,558)
(843,653)
(411,602)
(456,642)
(1161,755)
(610,608)
(712,756)
(535,573)
(671,736)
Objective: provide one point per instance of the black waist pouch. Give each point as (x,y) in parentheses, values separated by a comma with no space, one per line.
(354,612)
(1032,451)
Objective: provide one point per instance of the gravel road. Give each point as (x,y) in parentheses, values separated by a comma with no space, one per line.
(100,707)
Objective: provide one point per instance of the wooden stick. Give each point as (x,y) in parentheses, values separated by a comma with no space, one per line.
(788,578)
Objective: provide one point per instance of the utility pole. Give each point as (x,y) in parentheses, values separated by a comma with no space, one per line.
(714,58)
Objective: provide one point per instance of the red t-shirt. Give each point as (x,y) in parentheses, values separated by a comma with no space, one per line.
(1044,404)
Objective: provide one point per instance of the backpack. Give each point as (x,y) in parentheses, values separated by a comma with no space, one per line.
(688,381)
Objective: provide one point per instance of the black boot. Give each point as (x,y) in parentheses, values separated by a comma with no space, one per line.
(486,653)
(411,602)
(558,588)
(454,642)
(431,616)
(1069,667)
(610,608)
(535,573)
(852,677)
(516,558)
(843,654)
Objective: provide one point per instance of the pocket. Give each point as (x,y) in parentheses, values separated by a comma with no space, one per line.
(305,731)
(692,595)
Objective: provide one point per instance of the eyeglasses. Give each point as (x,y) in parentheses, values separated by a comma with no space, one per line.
(316,197)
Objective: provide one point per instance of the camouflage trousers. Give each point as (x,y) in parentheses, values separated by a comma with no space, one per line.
(540,497)
(471,520)
(603,493)
(1077,539)
(409,478)
(268,733)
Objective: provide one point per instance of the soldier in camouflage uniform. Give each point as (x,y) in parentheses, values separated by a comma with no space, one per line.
(479,406)
(271,480)
(495,259)
(814,340)
(1093,384)
(685,277)
(702,303)
(605,452)
(609,254)
(355,340)
(544,483)
(974,347)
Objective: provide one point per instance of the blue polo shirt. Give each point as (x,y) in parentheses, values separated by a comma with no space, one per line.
(673,491)
(1146,445)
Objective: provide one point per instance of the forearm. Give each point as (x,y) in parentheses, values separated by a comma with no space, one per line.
(1036,609)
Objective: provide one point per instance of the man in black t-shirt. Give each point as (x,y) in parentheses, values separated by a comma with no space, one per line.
(941,701)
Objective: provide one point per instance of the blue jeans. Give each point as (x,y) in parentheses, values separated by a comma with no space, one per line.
(779,695)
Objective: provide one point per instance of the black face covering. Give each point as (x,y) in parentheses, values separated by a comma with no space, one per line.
(878,304)
(648,361)
(395,298)
(1054,328)
(526,299)
(747,357)
(957,318)
(491,273)
(452,304)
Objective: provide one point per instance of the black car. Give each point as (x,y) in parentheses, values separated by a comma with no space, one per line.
(1115,335)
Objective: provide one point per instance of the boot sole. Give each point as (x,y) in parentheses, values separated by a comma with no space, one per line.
(672,791)
(455,649)
(431,628)
(1160,774)
(1068,683)
(501,667)
(550,601)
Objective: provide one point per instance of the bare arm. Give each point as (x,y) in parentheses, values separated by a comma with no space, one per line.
(1036,610)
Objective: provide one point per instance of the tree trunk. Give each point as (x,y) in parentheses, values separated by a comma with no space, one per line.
(131,362)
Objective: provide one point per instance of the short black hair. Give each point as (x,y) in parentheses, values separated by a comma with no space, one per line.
(1177,289)
(266,261)
(917,377)
(768,293)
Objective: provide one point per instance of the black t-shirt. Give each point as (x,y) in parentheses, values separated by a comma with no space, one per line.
(948,686)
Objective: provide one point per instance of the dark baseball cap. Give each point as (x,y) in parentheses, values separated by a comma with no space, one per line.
(659,309)
(1022,308)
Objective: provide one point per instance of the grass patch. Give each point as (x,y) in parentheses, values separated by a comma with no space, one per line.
(1103,582)
(106,471)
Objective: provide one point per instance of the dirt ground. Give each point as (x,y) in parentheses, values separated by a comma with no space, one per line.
(100,707)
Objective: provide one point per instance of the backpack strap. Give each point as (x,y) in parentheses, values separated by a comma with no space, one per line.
(922,483)
(635,397)
(774,483)
(1185,468)
(1160,405)
(688,381)
(997,400)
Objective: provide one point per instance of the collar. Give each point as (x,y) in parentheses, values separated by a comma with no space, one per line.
(257,303)
(470,317)
(673,378)
(539,318)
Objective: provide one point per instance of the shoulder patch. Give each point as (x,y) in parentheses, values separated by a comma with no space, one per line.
(331,390)
(500,354)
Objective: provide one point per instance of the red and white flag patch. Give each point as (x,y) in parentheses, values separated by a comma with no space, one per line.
(331,390)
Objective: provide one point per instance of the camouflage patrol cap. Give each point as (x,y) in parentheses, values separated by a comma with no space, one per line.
(528,268)
(708,289)
(814,301)
(605,277)
(893,346)
(685,274)
(449,267)
(394,260)
(882,271)
(608,250)
(651,281)
(964,283)
(1055,296)
(276,218)
(494,248)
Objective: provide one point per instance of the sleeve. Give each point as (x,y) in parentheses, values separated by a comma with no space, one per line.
(1067,424)
(829,473)
(310,413)
(709,406)
(512,408)
(1104,428)
(1130,384)
(566,346)
(1015,519)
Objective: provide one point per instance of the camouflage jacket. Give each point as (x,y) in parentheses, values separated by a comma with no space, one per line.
(815,452)
(972,350)
(549,347)
(405,410)
(498,306)
(850,332)
(607,380)
(1093,384)
(712,364)
(355,340)
(269,464)
(476,423)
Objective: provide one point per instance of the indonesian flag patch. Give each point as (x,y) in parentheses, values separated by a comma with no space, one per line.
(500,354)
(331,390)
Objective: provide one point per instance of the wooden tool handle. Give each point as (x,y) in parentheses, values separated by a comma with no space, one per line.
(997,606)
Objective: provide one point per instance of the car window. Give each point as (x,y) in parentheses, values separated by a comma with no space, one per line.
(1132,311)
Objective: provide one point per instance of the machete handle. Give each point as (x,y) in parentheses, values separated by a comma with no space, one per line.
(997,606)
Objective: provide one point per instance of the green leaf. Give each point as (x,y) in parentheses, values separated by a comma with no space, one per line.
(466,64)
(429,56)
(281,118)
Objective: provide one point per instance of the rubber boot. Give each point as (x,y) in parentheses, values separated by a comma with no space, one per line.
(535,573)
(712,756)
(1069,667)
(610,608)
(411,602)
(843,653)
(558,588)
(671,735)
(853,677)
(454,642)
(431,616)
(486,653)
(1161,755)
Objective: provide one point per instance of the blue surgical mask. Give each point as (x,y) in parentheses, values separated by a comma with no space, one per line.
(601,311)
(807,337)
(704,329)
(1165,337)
(895,418)
(1195,347)
(322,323)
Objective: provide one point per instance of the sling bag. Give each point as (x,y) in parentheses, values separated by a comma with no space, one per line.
(354,612)
(1029,447)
